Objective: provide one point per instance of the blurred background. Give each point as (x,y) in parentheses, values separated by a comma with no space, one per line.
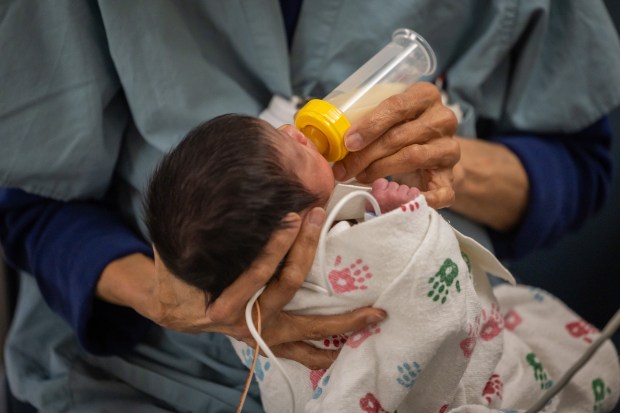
(583,270)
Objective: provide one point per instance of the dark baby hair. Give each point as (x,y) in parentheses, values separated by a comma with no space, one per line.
(214,200)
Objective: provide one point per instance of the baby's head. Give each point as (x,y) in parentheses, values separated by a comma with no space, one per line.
(215,199)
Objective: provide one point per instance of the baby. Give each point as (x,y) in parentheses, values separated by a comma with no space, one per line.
(450,343)
(214,201)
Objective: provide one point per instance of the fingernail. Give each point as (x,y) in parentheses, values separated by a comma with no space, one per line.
(317,217)
(290,218)
(339,171)
(376,318)
(353,142)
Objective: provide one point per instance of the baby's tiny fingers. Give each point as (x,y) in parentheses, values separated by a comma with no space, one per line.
(413,193)
(380,184)
(403,190)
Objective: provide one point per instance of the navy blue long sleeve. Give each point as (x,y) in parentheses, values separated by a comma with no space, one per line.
(66,246)
(569,176)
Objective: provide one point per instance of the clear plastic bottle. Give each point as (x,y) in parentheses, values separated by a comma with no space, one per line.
(400,63)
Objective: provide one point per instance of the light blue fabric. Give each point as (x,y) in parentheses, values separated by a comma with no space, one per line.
(168,371)
(179,64)
(93,93)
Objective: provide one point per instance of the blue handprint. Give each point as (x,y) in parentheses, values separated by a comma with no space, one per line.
(319,388)
(537,294)
(408,373)
(259,369)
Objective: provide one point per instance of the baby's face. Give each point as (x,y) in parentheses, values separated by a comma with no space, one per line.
(305,160)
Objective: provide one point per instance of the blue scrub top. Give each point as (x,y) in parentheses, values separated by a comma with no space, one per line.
(95,92)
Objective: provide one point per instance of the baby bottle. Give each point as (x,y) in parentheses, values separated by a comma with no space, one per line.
(400,63)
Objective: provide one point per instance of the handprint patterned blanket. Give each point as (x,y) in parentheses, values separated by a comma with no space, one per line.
(450,343)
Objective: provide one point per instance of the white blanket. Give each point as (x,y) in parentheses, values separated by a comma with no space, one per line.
(448,344)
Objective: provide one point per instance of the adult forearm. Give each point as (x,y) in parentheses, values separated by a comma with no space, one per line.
(133,281)
(493,185)
(127,281)
(530,189)
(66,246)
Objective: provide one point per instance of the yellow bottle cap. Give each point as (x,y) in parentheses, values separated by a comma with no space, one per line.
(325,125)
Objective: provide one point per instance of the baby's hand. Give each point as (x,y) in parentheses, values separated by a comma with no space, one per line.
(391,195)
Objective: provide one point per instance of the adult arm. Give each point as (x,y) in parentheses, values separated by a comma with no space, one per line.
(530,189)
(66,246)
(95,272)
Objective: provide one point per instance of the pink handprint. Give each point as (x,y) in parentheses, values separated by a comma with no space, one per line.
(350,278)
(315,377)
(469,344)
(360,336)
(370,404)
(512,319)
(581,329)
(493,325)
(411,206)
(493,389)
(335,341)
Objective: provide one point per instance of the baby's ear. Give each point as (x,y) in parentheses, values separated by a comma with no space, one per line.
(294,133)
(300,137)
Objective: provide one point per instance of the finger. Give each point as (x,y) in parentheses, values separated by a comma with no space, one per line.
(440,153)
(226,306)
(413,192)
(296,267)
(317,327)
(380,185)
(392,111)
(403,191)
(440,192)
(393,186)
(440,198)
(312,357)
(435,122)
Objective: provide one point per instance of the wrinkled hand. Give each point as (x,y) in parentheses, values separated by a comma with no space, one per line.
(179,306)
(408,136)
(491,183)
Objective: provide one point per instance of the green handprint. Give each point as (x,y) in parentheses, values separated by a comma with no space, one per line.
(443,279)
(540,375)
(601,391)
(467,261)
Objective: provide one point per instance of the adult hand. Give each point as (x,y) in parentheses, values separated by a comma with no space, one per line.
(174,304)
(410,137)
(491,184)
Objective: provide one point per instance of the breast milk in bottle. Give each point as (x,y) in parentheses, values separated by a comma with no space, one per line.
(400,63)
